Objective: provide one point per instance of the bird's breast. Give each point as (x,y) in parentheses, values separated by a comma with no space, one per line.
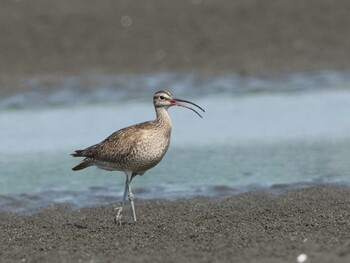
(149,151)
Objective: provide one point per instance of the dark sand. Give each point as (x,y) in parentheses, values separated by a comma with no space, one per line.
(262,38)
(248,37)
(252,227)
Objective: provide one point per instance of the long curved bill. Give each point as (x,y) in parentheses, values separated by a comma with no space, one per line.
(176,102)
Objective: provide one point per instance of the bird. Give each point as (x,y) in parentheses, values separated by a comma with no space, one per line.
(135,149)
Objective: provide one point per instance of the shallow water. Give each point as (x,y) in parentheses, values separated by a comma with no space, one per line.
(249,141)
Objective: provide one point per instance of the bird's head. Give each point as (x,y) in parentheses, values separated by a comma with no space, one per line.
(165,99)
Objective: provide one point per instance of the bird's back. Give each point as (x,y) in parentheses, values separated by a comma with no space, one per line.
(136,148)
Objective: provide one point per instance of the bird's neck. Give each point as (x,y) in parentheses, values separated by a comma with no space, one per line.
(163,118)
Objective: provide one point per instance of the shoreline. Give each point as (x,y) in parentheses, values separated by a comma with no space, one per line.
(250,227)
(29,203)
(57,88)
(58,53)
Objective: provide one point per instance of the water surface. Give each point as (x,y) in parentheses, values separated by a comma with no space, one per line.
(265,140)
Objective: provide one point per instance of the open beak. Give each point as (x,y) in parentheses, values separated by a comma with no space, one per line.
(176,102)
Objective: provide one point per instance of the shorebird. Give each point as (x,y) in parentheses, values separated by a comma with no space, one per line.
(135,149)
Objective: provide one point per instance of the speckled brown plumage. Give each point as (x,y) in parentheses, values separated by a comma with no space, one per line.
(134,149)
(137,148)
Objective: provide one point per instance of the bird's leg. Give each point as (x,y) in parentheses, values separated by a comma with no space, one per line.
(118,218)
(131,198)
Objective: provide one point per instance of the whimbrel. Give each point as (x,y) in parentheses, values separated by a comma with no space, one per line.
(134,149)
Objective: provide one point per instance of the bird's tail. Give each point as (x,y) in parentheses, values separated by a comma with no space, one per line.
(85,163)
(77,153)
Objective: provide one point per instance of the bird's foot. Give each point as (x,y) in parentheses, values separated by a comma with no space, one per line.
(118,217)
(116,207)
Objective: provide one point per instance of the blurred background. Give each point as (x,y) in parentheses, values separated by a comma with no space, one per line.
(272,76)
(49,39)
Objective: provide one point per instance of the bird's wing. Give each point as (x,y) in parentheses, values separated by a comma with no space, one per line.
(119,145)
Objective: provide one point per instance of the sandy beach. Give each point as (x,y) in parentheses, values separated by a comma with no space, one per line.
(52,39)
(251,227)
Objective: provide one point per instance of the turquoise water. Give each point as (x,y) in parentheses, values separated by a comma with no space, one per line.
(269,140)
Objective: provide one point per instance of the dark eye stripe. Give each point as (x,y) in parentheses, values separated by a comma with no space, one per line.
(163,92)
(160,97)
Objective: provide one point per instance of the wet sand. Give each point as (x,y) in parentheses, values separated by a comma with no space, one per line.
(251,227)
(52,39)
(261,38)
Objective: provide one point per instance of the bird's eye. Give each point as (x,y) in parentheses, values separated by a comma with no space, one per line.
(161,97)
